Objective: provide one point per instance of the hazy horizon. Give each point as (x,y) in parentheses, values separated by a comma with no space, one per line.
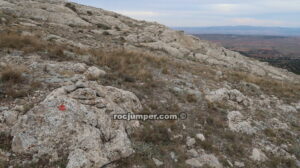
(207,13)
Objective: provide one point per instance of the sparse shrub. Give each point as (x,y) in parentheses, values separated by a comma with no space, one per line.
(191,98)
(233,149)
(71,6)
(208,146)
(165,70)
(216,121)
(5,141)
(269,132)
(103,26)
(129,78)
(89,13)
(122,39)
(156,135)
(20,42)
(118,28)
(16,93)
(106,33)
(57,52)
(35,84)
(14,82)
(12,74)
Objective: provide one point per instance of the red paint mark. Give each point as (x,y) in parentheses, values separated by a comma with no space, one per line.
(62,107)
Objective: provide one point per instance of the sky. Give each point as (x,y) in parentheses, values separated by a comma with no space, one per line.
(202,13)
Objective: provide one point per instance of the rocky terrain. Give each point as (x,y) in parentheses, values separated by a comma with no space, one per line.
(66,69)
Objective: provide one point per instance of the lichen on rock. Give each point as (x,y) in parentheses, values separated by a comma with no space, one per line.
(84,129)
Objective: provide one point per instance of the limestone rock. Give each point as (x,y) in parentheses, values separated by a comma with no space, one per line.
(239,164)
(258,155)
(194,162)
(297,105)
(157,162)
(225,94)
(81,124)
(94,73)
(237,123)
(205,159)
(190,141)
(200,137)
(287,108)
(10,117)
(173,156)
(274,123)
(192,153)
(3,65)
(80,67)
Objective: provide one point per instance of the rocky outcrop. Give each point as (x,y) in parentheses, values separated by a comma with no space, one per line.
(238,123)
(123,32)
(233,97)
(78,122)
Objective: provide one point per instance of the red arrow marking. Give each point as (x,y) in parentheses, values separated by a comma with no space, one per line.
(62,108)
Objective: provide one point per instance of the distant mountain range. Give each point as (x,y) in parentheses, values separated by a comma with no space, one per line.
(242,30)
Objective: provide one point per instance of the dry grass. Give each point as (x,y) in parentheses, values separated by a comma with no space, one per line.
(12,74)
(191,98)
(278,162)
(15,40)
(129,65)
(283,89)
(103,26)
(13,82)
(71,6)
(30,44)
(154,141)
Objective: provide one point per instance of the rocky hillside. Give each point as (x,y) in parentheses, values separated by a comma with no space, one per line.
(66,69)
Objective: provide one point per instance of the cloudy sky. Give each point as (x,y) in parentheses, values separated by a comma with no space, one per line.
(284,13)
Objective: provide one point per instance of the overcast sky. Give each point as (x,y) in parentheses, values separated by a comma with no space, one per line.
(284,13)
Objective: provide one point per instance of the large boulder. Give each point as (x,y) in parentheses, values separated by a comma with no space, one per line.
(79,123)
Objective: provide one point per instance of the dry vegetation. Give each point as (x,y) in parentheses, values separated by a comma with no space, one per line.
(14,83)
(128,63)
(288,91)
(12,40)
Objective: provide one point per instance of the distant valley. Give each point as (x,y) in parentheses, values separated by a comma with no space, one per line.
(242,30)
(280,51)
